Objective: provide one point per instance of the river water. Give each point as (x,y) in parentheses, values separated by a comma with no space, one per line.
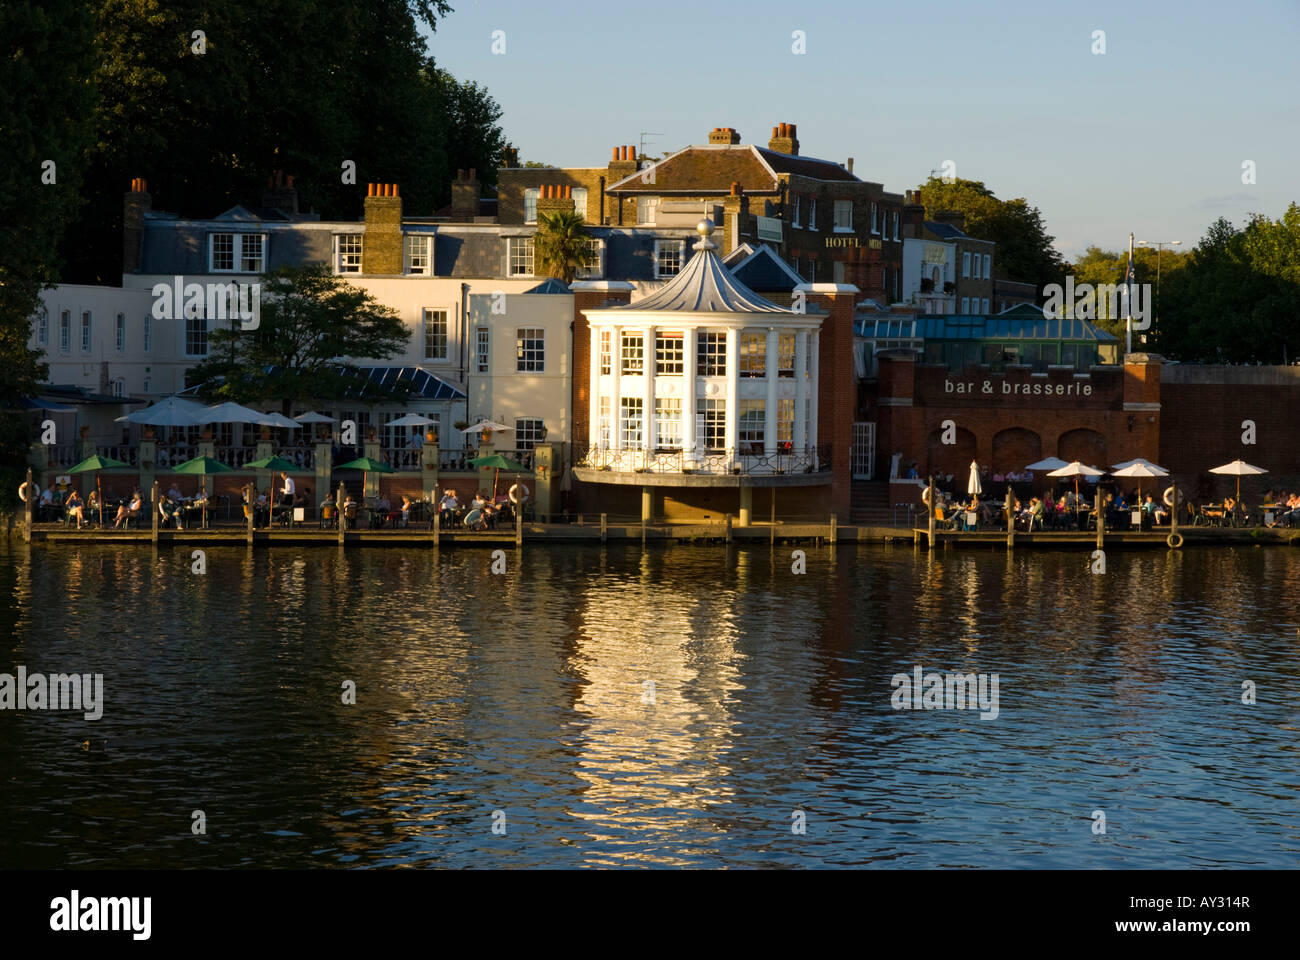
(682,706)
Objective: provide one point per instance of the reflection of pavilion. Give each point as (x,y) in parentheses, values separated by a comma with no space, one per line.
(703,384)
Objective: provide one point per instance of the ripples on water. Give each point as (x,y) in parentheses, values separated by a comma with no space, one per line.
(527,693)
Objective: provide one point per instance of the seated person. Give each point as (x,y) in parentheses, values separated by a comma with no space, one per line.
(448,505)
(406,510)
(911,472)
(127,510)
(169,510)
(1156,511)
(74,505)
(92,511)
(475,520)
(175,494)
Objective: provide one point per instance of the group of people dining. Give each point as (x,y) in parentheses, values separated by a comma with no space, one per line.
(1066,511)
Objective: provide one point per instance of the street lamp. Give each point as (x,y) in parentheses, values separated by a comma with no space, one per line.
(1158,244)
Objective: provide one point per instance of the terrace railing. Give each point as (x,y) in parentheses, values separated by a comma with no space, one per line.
(813,459)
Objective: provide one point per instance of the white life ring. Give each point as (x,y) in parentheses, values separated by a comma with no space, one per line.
(518,492)
(925,495)
(1174,540)
(1168,496)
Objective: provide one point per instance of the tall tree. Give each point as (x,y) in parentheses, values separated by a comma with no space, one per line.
(311,321)
(45,99)
(1024,250)
(561,246)
(1096,266)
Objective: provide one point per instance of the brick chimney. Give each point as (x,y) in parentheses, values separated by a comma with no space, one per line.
(724,135)
(953,217)
(784,139)
(465,196)
(623,163)
(913,214)
(553,199)
(381,250)
(135,205)
(735,215)
(280,193)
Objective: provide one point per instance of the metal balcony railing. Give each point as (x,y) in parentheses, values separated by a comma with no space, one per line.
(813,459)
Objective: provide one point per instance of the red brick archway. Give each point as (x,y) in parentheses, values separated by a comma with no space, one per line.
(1085,445)
(951,459)
(1015,448)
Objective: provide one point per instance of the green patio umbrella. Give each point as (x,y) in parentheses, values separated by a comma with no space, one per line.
(203,466)
(498,462)
(367,466)
(274,464)
(98,463)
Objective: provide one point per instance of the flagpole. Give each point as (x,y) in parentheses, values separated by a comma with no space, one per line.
(1128,300)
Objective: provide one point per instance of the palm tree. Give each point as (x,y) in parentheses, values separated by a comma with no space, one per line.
(561,245)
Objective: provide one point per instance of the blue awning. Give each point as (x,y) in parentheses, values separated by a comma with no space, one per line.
(424,385)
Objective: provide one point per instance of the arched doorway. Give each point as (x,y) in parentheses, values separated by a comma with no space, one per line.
(953,459)
(1087,446)
(1015,448)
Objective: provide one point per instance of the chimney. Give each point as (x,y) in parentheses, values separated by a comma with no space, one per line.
(849,166)
(784,139)
(135,205)
(726,135)
(913,217)
(381,249)
(554,198)
(465,196)
(280,193)
(735,217)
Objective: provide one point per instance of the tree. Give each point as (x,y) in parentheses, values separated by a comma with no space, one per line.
(1097,266)
(1024,247)
(560,245)
(44,100)
(312,325)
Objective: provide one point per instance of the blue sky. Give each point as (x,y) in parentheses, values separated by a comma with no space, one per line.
(1149,136)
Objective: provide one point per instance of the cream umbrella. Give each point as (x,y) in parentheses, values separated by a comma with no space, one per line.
(1238,468)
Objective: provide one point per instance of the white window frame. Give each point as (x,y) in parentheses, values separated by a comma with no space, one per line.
(429,323)
(606,338)
(483,349)
(580,201)
(631,422)
(593,270)
(631,358)
(118,386)
(530,358)
(348,267)
(65,331)
(794,212)
(120,332)
(965,264)
(668,423)
(812,213)
(752,355)
(87,322)
(965,305)
(528,432)
(986,305)
(751,430)
(411,244)
(237,252)
(875,226)
(603,421)
(525,259)
(148,384)
(196,328)
(895,224)
(711,417)
(531,196)
(647,211)
(43,326)
(670,353)
(841,206)
(664,246)
(988,266)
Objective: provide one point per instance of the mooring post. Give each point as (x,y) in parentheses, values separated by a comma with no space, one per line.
(1173,514)
(153,502)
(930,521)
(604,526)
(251,507)
(834,518)
(436,526)
(519,525)
(29,506)
(728,528)
(772,491)
(1011,520)
(342,515)
(1101,521)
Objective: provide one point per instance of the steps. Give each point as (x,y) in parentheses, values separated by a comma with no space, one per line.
(870,506)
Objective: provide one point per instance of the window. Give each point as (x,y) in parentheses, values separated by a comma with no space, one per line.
(196,336)
(236,253)
(785,354)
(988,267)
(65,331)
(785,420)
(812,271)
(986,304)
(750,426)
(837,271)
(895,224)
(976,267)
(482,342)
(580,201)
(604,421)
(711,355)
(965,264)
(528,432)
(119,387)
(530,204)
(668,257)
(794,213)
(530,350)
(519,251)
(121,332)
(794,265)
(711,423)
(43,326)
(965,304)
(668,422)
(646,210)
(668,353)
(147,338)
(753,354)
(629,423)
(348,259)
(632,353)
(812,213)
(593,264)
(85,330)
(148,384)
(844,216)
(435,334)
(418,261)
(605,336)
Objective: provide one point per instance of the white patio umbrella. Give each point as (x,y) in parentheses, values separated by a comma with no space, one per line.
(1238,468)
(973,485)
(229,412)
(486,425)
(169,412)
(279,420)
(1159,470)
(410,420)
(1076,470)
(311,416)
(1140,468)
(1050,463)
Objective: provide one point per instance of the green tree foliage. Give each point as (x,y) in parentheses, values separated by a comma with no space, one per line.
(1024,252)
(310,318)
(44,100)
(560,245)
(1097,266)
(300,86)
(1237,300)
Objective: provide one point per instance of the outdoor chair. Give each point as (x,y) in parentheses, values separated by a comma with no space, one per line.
(327,516)
(350,515)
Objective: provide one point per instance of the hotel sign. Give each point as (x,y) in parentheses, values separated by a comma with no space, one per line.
(850,242)
(935,253)
(1009,389)
(769,228)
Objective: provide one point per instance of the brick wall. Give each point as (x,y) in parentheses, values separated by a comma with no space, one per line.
(381,250)
(836,390)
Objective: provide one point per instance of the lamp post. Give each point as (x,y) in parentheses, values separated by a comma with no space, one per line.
(1158,244)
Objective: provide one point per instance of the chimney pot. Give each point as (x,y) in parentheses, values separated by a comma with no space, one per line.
(568,192)
(473,173)
(793,135)
(631,153)
(776,132)
(614,158)
(850,168)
